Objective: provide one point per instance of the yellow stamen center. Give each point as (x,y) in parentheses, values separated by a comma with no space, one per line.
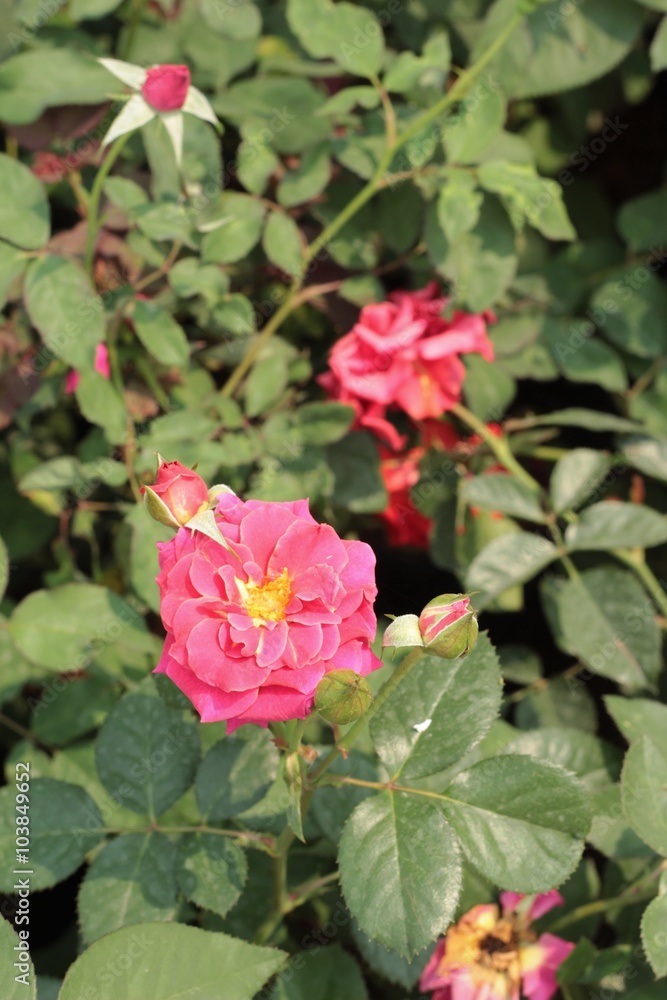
(266,602)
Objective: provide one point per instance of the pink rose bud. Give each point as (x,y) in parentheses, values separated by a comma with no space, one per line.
(342,696)
(448,626)
(166,87)
(177,494)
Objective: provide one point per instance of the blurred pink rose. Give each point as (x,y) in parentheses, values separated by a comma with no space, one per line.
(403,353)
(250,632)
(166,87)
(492,956)
(101,365)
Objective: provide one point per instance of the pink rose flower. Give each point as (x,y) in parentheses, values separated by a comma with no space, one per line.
(251,631)
(166,87)
(403,353)
(492,956)
(180,493)
(101,365)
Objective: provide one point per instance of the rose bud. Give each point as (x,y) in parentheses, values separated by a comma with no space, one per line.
(166,87)
(177,494)
(342,696)
(448,626)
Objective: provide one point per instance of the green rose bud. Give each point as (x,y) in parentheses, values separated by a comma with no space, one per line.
(342,697)
(448,626)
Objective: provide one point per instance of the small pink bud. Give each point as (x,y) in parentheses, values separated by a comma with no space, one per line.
(177,494)
(101,365)
(448,626)
(166,87)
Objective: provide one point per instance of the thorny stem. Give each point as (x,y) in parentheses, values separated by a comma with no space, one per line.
(456,93)
(94,199)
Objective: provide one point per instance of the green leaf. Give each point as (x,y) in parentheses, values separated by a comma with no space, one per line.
(480,263)
(50,77)
(256,164)
(604,618)
(612,524)
(266,384)
(400,870)
(502,492)
(164,221)
(63,306)
(307,180)
(647,454)
(528,197)
(641,221)
(654,922)
(17,978)
(143,554)
(249,762)
(400,220)
(147,754)
(171,962)
(659,48)
(471,129)
(521,822)
(282,243)
(488,390)
(595,762)
(283,110)
(459,204)
(355,464)
(331,806)
(63,629)
(80,705)
(64,825)
(131,881)
(644,792)
(83,10)
(564,701)
(576,476)
(459,700)
(101,404)
(555,48)
(125,193)
(325,974)
(349,35)
(239,21)
(509,559)
(160,334)
(24,213)
(633,317)
(211,871)
(323,423)
(235,228)
(636,717)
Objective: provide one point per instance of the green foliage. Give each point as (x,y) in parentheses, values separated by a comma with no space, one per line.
(163,960)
